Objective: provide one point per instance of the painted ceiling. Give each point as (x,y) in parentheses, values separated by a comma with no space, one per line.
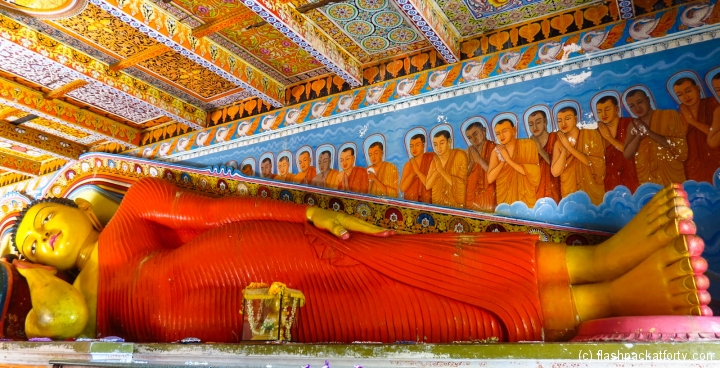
(115,75)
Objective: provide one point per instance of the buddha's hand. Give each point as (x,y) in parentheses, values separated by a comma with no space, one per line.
(59,310)
(339,223)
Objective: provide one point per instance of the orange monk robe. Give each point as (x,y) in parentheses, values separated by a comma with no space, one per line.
(480,195)
(656,164)
(618,169)
(549,186)
(271,176)
(326,180)
(510,185)
(452,194)
(287,177)
(702,161)
(357,180)
(417,191)
(387,173)
(587,178)
(182,272)
(305,177)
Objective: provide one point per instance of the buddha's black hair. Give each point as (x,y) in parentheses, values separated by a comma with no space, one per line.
(21,215)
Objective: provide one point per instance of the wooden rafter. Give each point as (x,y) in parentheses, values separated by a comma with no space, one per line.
(62,90)
(138,58)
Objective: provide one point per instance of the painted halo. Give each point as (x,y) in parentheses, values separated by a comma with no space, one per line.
(708,81)
(288,154)
(344,146)
(653,105)
(502,116)
(489,134)
(683,74)
(567,103)
(326,147)
(302,149)
(272,162)
(601,95)
(441,127)
(377,137)
(550,126)
(411,133)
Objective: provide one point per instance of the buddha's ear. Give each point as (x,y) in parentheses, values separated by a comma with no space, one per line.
(86,207)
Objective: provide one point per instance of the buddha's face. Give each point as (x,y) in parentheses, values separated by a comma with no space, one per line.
(283,166)
(441,145)
(537,123)
(53,234)
(505,133)
(247,170)
(687,93)
(376,155)
(607,111)
(566,121)
(639,104)
(304,161)
(417,147)
(266,168)
(476,136)
(347,160)
(324,161)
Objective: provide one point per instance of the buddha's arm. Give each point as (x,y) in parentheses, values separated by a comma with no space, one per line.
(713,139)
(163,203)
(407,176)
(558,160)
(494,169)
(59,310)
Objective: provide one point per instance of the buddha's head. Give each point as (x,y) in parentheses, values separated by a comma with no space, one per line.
(608,109)
(505,131)
(52,232)
(475,133)
(375,152)
(347,158)
(567,119)
(537,121)
(283,165)
(687,91)
(417,145)
(639,103)
(441,142)
(304,160)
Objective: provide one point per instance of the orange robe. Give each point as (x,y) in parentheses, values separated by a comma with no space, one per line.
(387,174)
(656,164)
(549,186)
(480,195)
(357,180)
(182,272)
(305,177)
(417,191)
(618,169)
(327,180)
(452,194)
(287,177)
(702,161)
(587,178)
(510,185)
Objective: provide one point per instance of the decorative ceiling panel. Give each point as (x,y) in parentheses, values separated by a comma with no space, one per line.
(115,102)
(500,15)
(34,67)
(188,74)
(10,147)
(107,31)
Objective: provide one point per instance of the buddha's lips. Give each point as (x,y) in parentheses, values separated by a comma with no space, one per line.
(52,240)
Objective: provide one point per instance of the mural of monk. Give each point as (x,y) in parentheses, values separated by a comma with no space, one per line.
(614,131)
(284,173)
(247,170)
(172,264)
(382,175)
(416,170)
(656,141)
(714,135)
(447,177)
(352,178)
(514,168)
(266,168)
(307,172)
(697,116)
(480,194)
(327,177)
(579,158)
(549,186)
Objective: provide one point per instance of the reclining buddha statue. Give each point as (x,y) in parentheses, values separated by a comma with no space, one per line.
(172,264)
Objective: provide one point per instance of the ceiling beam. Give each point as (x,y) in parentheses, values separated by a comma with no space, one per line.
(7,112)
(62,90)
(432,22)
(41,141)
(22,98)
(95,70)
(19,164)
(217,25)
(138,58)
(286,19)
(162,27)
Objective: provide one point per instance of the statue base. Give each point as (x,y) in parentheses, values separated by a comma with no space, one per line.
(650,329)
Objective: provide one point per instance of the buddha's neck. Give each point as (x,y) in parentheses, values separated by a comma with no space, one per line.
(87,250)
(543,137)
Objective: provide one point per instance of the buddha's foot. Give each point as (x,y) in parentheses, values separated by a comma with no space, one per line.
(664,219)
(669,281)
